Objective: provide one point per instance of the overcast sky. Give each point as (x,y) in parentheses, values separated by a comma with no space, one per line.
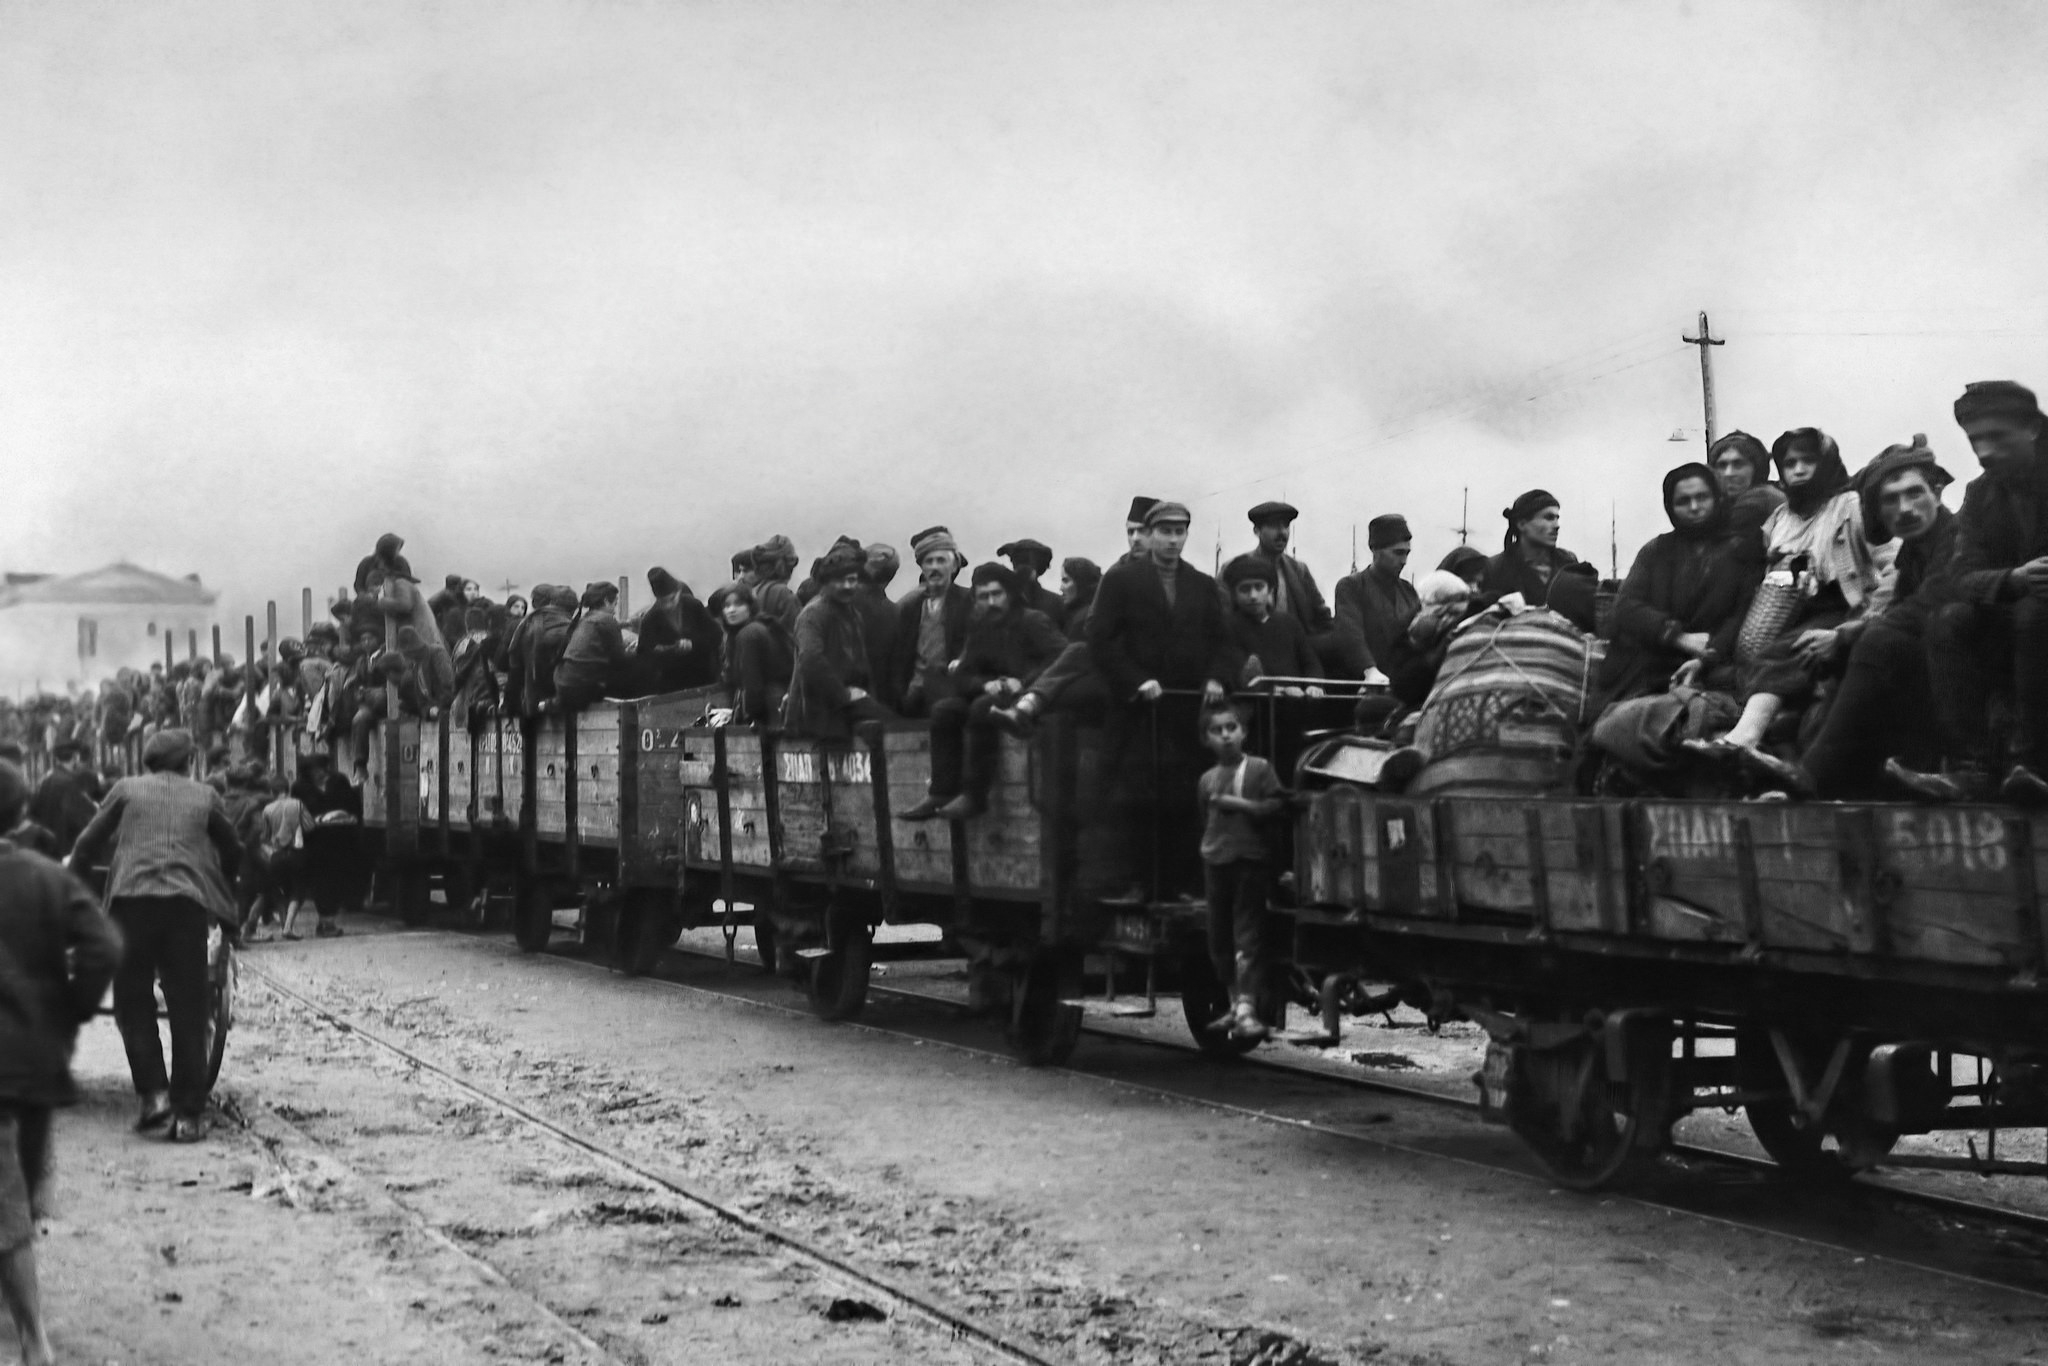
(561,291)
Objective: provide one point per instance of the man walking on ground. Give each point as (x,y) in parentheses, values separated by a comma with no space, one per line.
(174,856)
(59,953)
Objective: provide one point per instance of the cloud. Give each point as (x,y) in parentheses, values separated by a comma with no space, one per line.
(566,290)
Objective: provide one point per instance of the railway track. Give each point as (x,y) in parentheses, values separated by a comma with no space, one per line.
(1974,1242)
(937,1316)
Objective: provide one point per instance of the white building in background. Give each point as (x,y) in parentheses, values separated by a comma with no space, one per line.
(60,632)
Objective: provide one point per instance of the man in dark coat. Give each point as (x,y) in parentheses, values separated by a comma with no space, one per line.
(877,612)
(1030,560)
(60,952)
(385,560)
(832,691)
(678,645)
(1008,646)
(1685,595)
(594,663)
(1992,633)
(1295,593)
(66,797)
(1158,627)
(1375,605)
(1880,719)
(931,626)
(536,648)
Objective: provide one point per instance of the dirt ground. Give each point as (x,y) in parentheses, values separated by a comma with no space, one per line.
(368,1211)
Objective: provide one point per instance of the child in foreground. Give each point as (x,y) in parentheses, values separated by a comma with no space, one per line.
(1238,793)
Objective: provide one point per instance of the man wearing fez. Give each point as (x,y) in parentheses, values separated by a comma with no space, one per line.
(1992,632)
(1375,605)
(1295,593)
(1030,560)
(1160,640)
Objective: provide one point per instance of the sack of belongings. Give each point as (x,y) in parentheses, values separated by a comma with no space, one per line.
(1508,706)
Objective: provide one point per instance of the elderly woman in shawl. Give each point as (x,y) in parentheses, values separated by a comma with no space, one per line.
(1822,584)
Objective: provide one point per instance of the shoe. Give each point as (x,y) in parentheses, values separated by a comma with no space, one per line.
(1772,769)
(156,1112)
(2024,787)
(1963,783)
(923,811)
(1132,895)
(1712,749)
(189,1128)
(962,808)
(327,929)
(1016,720)
(1246,1026)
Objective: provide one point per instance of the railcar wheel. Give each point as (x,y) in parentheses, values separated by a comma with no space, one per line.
(839,975)
(1800,1150)
(1043,1027)
(647,927)
(413,892)
(220,1002)
(533,914)
(1586,1129)
(1204,1000)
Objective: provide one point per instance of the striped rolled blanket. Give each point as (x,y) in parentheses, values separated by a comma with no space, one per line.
(1534,663)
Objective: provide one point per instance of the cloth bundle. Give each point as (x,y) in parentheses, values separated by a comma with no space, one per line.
(1529,663)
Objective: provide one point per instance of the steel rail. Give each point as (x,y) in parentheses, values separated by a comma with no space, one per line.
(1975,1212)
(950,1321)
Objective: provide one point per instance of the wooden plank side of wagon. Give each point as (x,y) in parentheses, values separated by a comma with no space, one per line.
(654,839)
(597,773)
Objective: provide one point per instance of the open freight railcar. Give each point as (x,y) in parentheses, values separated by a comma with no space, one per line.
(1848,974)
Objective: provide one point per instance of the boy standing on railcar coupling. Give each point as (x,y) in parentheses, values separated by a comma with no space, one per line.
(1236,795)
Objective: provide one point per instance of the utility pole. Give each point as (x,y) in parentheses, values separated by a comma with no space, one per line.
(1705,339)
(1465,517)
(1613,541)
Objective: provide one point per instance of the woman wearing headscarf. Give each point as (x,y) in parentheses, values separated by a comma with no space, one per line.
(1468,563)
(1686,594)
(1742,467)
(756,659)
(1821,584)
(1532,564)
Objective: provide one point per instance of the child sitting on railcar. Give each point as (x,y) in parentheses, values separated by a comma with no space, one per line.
(1236,795)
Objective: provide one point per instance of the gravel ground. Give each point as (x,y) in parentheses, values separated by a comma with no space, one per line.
(374,1212)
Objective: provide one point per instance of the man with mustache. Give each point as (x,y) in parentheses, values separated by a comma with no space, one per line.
(1880,715)
(1993,632)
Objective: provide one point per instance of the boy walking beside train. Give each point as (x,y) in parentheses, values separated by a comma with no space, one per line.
(1236,795)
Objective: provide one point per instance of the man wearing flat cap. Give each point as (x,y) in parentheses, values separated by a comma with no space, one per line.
(1881,719)
(174,857)
(1295,593)
(1158,628)
(1375,605)
(1993,634)
(931,626)
(1030,560)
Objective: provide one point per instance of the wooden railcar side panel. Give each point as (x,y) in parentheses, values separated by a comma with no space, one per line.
(1956,885)
(664,774)
(597,774)
(462,749)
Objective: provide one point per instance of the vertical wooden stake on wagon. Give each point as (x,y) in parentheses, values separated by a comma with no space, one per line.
(305,613)
(216,647)
(272,660)
(249,683)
